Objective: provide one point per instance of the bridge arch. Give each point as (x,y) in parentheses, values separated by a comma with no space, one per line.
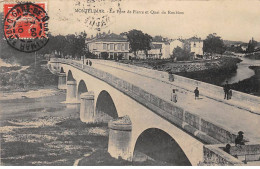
(105,107)
(160,146)
(70,76)
(82,88)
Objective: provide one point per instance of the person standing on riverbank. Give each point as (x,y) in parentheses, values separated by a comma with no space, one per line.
(197,93)
(174,96)
(226,90)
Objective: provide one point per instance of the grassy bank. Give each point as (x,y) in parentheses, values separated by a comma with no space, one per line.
(255,56)
(250,85)
(215,73)
(35,76)
(210,71)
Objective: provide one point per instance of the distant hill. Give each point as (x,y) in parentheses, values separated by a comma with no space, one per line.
(229,42)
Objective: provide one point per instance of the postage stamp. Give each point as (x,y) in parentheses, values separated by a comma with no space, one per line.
(26,26)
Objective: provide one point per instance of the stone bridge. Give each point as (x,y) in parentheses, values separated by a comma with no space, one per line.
(136,115)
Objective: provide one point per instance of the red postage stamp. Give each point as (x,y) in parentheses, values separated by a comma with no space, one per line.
(26,26)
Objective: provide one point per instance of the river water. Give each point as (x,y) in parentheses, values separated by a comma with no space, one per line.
(243,70)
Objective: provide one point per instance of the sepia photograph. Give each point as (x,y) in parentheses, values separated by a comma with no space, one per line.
(129,83)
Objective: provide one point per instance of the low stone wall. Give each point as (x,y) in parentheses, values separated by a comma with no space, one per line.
(218,91)
(250,152)
(200,128)
(215,154)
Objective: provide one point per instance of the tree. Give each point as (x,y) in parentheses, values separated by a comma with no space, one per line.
(158,38)
(79,44)
(139,41)
(181,54)
(251,45)
(104,55)
(214,44)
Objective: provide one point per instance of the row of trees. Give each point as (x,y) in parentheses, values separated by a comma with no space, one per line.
(72,44)
(251,46)
(214,44)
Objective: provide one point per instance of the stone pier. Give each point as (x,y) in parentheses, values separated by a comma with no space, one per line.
(71,91)
(62,81)
(119,143)
(87,111)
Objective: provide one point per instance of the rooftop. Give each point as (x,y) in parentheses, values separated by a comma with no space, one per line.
(195,39)
(110,38)
(156,46)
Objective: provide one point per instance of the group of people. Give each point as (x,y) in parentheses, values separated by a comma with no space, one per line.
(239,141)
(227,91)
(88,62)
(226,87)
(174,97)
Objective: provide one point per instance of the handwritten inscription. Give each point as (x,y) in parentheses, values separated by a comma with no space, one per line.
(100,13)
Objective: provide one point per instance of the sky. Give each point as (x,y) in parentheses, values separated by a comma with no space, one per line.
(231,19)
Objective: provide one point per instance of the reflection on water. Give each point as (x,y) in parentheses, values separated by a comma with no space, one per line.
(243,70)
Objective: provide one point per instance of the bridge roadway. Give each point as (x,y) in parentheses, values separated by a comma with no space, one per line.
(225,115)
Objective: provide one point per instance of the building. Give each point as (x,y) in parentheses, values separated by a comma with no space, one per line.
(244,46)
(164,48)
(159,50)
(196,46)
(114,45)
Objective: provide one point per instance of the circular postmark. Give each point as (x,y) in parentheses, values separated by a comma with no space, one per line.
(26,27)
(97,14)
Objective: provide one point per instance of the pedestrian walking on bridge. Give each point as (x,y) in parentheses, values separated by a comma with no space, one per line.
(226,90)
(229,94)
(197,93)
(174,96)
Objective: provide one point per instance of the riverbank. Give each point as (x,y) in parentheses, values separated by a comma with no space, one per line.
(215,72)
(250,85)
(209,71)
(26,78)
(255,56)
(49,140)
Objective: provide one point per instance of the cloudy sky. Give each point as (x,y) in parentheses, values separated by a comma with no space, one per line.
(232,20)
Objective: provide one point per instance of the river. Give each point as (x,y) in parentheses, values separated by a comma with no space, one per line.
(243,71)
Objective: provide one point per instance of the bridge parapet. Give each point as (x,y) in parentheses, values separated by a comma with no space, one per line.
(200,128)
(241,155)
(239,99)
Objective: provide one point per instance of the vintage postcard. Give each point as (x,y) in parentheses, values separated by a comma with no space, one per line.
(130,83)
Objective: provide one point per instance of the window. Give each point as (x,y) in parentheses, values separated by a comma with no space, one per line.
(107,46)
(115,46)
(104,46)
(118,46)
(122,47)
(126,46)
(111,46)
